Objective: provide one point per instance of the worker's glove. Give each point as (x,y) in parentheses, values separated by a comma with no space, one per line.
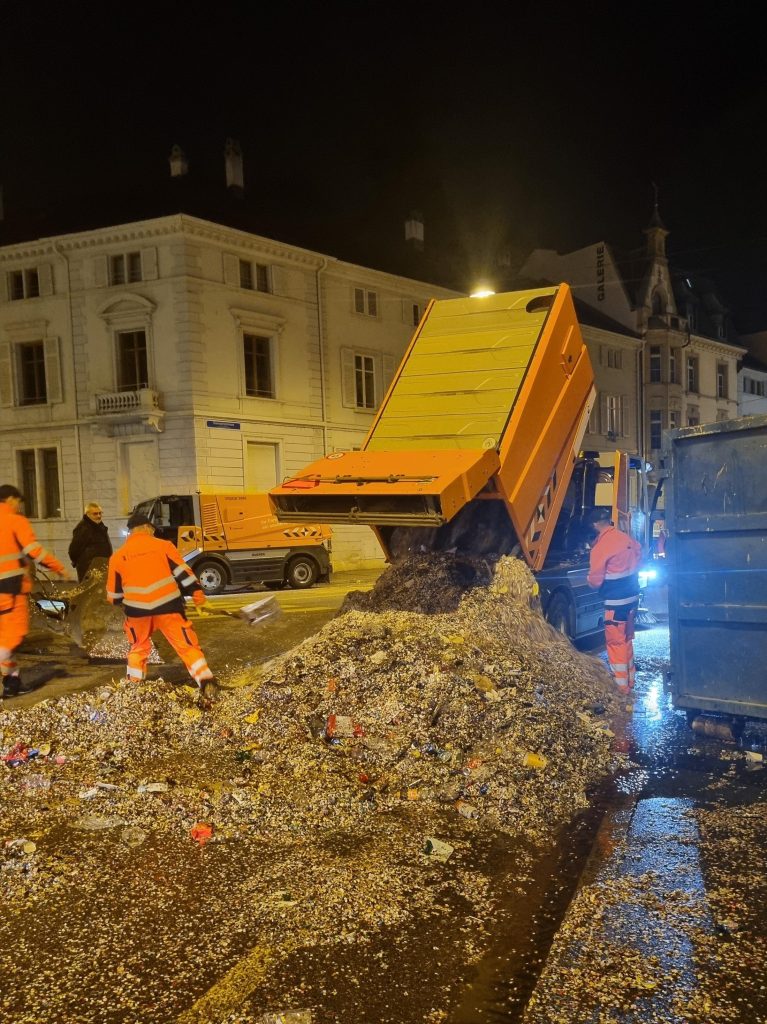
(199,598)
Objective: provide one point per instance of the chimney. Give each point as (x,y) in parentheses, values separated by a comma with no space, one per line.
(179,165)
(414,230)
(233,161)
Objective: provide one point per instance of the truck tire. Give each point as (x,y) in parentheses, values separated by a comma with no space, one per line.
(559,615)
(302,572)
(212,575)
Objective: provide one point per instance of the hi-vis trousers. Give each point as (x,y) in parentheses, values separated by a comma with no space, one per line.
(14,625)
(180,635)
(619,640)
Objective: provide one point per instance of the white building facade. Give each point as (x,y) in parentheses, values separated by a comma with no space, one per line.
(752,387)
(174,355)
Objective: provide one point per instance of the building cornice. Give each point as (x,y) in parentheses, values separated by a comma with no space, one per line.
(717,347)
(606,337)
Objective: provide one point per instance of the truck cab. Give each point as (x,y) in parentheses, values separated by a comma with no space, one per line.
(235,538)
(613,480)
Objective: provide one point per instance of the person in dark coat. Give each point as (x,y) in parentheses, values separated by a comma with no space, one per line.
(90,539)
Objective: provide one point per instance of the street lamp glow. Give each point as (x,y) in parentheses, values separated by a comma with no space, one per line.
(481,293)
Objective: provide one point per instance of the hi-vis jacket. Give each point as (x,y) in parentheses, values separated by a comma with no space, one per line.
(18,546)
(614,561)
(148,576)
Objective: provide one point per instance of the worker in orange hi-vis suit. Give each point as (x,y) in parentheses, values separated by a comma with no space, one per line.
(614,561)
(150,579)
(18,547)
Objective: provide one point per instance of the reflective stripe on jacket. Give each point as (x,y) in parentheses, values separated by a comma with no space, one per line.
(18,547)
(148,576)
(614,561)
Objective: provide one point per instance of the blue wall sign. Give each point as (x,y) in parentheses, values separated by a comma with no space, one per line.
(224,424)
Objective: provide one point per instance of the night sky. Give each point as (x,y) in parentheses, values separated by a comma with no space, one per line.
(510,126)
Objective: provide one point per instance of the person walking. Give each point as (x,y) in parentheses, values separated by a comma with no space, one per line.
(150,579)
(18,547)
(613,564)
(90,539)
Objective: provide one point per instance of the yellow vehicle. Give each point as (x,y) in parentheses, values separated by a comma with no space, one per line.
(236,538)
(476,445)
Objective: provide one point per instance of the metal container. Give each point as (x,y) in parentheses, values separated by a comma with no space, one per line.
(716,515)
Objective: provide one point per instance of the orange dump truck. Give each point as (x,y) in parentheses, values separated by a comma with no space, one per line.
(236,538)
(475,447)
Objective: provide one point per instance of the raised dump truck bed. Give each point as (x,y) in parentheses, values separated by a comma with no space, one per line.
(490,402)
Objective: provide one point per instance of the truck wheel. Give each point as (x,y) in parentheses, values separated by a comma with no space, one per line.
(212,576)
(302,572)
(559,615)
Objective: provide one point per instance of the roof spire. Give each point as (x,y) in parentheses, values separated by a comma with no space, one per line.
(656,231)
(655,221)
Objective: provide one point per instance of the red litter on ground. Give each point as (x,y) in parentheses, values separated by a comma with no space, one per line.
(201,832)
(18,754)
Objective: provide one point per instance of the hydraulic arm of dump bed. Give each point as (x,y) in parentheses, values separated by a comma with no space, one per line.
(490,402)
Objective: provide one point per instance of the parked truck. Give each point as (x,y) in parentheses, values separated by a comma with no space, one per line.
(477,447)
(716,515)
(236,538)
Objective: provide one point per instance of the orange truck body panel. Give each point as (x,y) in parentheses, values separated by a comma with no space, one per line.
(239,522)
(491,400)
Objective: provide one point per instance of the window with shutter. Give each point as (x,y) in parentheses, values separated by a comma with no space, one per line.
(722,390)
(148,267)
(347,378)
(231,269)
(16,285)
(53,370)
(359,300)
(99,271)
(388,365)
(6,375)
(27,470)
(262,278)
(116,270)
(45,279)
(246,274)
(692,374)
(133,266)
(38,473)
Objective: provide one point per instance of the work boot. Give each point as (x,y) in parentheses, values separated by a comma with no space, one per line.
(11,685)
(208,692)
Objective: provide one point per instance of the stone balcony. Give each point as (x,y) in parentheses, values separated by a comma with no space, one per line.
(128,412)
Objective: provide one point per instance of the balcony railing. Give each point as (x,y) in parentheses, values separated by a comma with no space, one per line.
(143,400)
(129,412)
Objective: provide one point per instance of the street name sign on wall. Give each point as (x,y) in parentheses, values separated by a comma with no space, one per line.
(223,424)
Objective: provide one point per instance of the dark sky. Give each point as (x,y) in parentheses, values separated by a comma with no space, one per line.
(504,124)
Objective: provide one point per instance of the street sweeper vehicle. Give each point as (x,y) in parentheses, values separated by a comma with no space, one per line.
(235,538)
(477,448)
